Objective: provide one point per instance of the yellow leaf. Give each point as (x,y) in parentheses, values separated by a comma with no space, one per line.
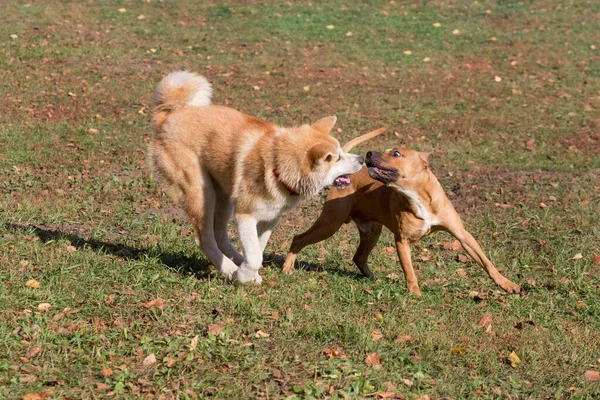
(194,343)
(437,24)
(408,52)
(514,359)
(44,306)
(330,27)
(32,283)
(261,334)
(497,78)
(122,10)
(306,88)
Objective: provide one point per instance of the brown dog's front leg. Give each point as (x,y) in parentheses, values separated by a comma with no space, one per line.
(471,246)
(403,248)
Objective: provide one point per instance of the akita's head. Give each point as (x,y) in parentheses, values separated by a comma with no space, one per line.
(309,158)
(398,166)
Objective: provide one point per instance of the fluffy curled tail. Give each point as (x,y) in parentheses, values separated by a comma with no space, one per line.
(177,90)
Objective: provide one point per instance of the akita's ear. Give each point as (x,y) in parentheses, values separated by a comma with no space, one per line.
(321,153)
(324,124)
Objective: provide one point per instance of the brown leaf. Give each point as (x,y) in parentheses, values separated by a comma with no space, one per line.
(388,249)
(373,360)
(102,386)
(107,371)
(261,334)
(407,382)
(27,378)
(37,396)
(461,272)
(376,335)
(454,246)
(463,258)
(596,260)
(149,360)
(592,376)
(194,343)
(404,339)
(157,302)
(386,395)
(530,145)
(486,319)
(44,307)
(33,351)
(215,329)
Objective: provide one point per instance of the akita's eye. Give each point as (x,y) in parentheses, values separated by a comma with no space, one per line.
(396,153)
(339,158)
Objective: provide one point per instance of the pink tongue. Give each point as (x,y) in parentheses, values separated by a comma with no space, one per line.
(342,180)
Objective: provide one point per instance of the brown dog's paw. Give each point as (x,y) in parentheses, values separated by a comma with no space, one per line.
(510,287)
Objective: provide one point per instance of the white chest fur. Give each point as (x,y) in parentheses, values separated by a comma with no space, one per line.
(421,210)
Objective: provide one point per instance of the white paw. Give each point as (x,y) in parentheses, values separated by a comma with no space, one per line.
(228,271)
(246,275)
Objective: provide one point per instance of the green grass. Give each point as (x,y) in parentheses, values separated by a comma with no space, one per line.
(81,215)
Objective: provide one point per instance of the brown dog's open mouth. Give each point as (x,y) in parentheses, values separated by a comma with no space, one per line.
(383,174)
(342,181)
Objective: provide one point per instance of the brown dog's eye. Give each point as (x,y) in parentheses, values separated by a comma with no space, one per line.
(396,153)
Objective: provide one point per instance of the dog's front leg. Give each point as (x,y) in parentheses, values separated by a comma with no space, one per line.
(251,246)
(403,248)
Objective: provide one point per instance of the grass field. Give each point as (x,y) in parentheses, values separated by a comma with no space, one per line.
(507,95)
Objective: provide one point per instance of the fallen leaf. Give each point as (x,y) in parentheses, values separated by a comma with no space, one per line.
(592,376)
(330,27)
(376,335)
(426,59)
(386,395)
(596,260)
(408,52)
(107,371)
(497,78)
(157,302)
(32,283)
(578,256)
(581,304)
(261,334)
(424,397)
(215,329)
(37,396)
(456,32)
(194,343)
(463,258)
(122,10)
(530,145)
(458,350)
(404,339)
(27,378)
(149,360)
(44,306)
(71,249)
(461,272)
(306,88)
(33,351)
(437,24)
(407,382)
(514,359)
(348,33)
(486,319)
(373,360)
(102,386)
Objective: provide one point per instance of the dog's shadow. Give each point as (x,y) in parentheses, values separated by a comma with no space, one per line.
(175,262)
(178,263)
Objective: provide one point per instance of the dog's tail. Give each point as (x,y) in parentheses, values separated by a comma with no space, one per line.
(177,90)
(356,141)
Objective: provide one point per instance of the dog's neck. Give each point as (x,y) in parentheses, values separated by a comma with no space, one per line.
(423,198)
(291,191)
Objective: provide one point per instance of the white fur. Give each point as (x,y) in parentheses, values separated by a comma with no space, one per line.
(422,211)
(349,164)
(202,88)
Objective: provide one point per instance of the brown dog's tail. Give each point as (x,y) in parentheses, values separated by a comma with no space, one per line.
(356,141)
(177,90)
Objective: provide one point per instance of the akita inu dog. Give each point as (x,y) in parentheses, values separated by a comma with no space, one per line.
(216,161)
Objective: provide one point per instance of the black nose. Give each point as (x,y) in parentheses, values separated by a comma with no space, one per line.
(361,159)
(369,154)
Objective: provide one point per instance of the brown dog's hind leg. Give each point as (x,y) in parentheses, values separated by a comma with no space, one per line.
(403,248)
(368,241)
(335,212)
(472,248)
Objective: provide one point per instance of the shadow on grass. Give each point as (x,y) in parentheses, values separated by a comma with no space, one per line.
(175,262)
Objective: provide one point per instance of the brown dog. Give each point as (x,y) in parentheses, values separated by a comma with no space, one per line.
(400,192)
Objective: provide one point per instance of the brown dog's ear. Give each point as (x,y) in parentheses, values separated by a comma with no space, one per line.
(424,155)
(320,153)
(324,124)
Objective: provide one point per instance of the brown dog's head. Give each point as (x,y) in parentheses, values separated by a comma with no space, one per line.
(398,166)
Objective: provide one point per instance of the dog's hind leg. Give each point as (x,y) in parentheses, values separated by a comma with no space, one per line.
(368,241)
(193,190)
(223,211)
(335,213)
